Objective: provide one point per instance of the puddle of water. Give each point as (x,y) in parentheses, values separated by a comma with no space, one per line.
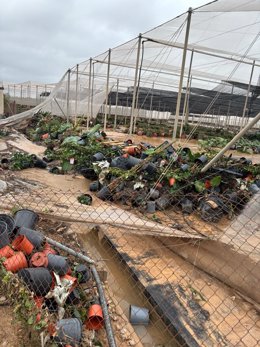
(127,291)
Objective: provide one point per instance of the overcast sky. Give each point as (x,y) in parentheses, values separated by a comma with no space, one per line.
(41,39)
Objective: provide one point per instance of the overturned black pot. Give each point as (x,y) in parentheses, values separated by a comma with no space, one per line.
(89,173)
(98,156)
(163,202)
(82,272)
(26,218)
(9,222)
(69,331)
(4,236)
(186,206)
(202,159)
(73,298)
(94,186)
(212,208)
(104,193)
(58,264)
(40,163)
(38,280)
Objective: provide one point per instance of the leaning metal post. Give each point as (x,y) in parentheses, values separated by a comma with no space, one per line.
(117,86)
(107,89)
(185,113)
(68,96)
(234,140)
(76,96)
(135,85)
(247,94)
(89,90)
(177,112)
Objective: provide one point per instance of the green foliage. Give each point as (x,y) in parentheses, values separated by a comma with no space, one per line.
(242,145)
(20,161)
(85,199)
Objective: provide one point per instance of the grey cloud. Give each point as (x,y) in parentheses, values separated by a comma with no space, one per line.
(40,39)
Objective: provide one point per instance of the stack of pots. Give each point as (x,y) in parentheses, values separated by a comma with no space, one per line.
(26,252)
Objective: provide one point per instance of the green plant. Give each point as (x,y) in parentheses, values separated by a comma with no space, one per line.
(20,161)
(85,199)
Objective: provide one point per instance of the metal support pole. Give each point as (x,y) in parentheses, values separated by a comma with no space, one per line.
(247,94)
(151,104)
(232,142)
(117,87)
(177,113)
(89,92)
(185,114)
(107,89)
(21,92)
(135,85)
(76,94)
(68,97)
(70,251)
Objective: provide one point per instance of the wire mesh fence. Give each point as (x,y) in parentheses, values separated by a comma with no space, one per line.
(179,269)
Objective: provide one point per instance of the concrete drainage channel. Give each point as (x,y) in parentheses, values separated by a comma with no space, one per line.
(184,319)
(127,290)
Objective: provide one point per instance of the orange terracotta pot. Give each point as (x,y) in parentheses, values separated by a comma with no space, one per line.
(6,252)
(16,262)
(39,259)
(48,250)
(95,319)
(21,243)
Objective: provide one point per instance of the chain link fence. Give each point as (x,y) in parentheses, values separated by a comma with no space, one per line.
(148,268)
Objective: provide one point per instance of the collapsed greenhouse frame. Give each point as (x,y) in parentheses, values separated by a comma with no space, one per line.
(171,58)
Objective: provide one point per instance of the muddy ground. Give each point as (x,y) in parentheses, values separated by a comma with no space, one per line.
(229,319)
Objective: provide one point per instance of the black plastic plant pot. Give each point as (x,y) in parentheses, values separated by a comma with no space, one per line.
(55,170)
(184,167)
(104,193)
(51,304)
(73,298)
(202,159)
(89,173)
(138,315)
(38,280)
(94,186)
(10,223)
(58,264)
(4,236)
(150,168)
(163,202)
(212,209)
(35,237)
(69,331)
(132,161)
(144,155)
(154,194)
(253,188)
(245,161)
(186,206)
(39,163)
(151,206)
(82,272)
(85,199)
(98,156)
(5,163)
(26,218)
